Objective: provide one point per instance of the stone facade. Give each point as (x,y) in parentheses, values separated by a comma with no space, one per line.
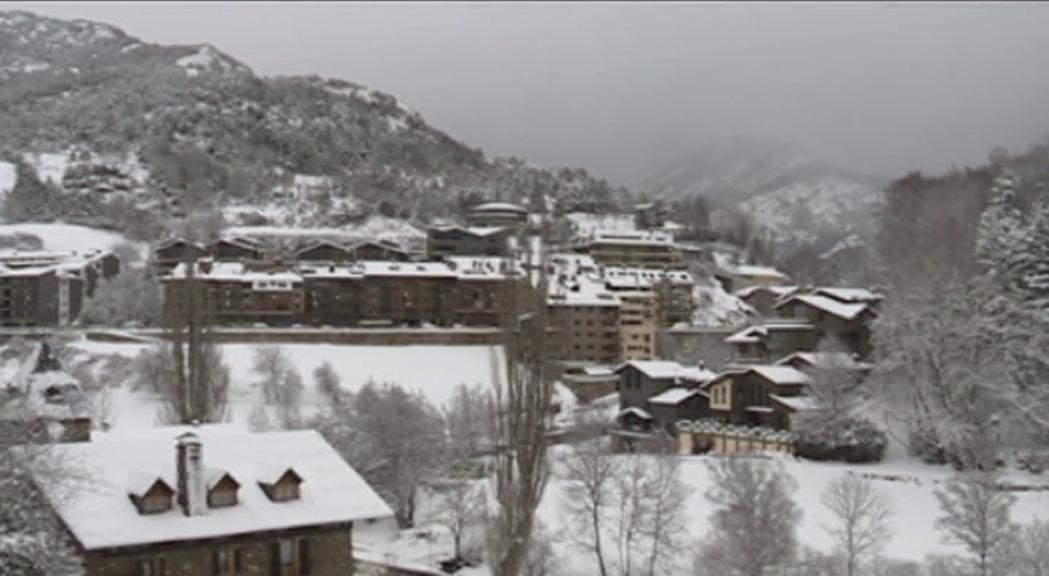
(318,551)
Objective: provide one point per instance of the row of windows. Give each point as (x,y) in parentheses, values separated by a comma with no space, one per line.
(289,557)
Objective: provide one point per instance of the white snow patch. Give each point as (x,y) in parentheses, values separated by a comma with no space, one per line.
(49,166)
(68,237)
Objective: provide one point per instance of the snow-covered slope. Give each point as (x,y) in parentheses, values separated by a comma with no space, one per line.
(66,237)
(800,211)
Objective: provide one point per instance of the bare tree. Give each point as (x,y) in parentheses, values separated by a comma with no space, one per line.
(626,512)
(468,415)
(1028,553)
(461,507)
(975,514)
(666,494)
(754,524)
(591,472)
(861,515)
(271,364)
(523,394)
(394,438)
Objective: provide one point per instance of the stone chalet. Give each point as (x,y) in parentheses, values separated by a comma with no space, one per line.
(212,500)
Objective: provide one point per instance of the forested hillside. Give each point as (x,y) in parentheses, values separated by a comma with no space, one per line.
(108,130)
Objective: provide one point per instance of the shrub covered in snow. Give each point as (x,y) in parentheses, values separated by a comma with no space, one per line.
(853,440)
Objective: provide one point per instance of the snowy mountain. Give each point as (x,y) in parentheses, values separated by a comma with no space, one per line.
(794,195)
(108,130)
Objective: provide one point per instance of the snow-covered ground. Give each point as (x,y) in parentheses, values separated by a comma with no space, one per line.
(912,494)
(434,371)
(715,306)
(66,237)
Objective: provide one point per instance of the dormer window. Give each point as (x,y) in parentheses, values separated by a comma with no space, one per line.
(285,488)
(155,499)
(222,489)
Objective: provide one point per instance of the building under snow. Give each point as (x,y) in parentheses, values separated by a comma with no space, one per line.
(212,500)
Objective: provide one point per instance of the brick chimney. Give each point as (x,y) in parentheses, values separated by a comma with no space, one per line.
(189,467)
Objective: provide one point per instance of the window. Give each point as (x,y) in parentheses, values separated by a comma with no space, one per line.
(226,561)
(291,557)
(152,567)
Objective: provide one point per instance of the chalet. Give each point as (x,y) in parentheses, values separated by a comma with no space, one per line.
(378,250)
(497,214)
(234,250)
(849,295)
(324,251)
(173,251)
(774,338)
(444,241)
(848,323)
(752,395)
(212,500)
(764,298)
(668,384)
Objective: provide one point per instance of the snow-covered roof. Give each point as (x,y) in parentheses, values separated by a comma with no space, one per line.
(666,369)
(384,268)
(636,238)
(480,231)
(674,396)
(632,278)
(826,360)
(580,290)
(98,512)
(640,413)
(321,244)
(777,291)
(499,207)
(849,295)
(755,334)
(784,375)
(762,271)
(233,272)
(795,403)
(828,305)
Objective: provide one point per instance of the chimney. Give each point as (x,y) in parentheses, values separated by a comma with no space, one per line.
(189,466)
(702,365)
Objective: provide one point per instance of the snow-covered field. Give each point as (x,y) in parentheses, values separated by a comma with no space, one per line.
(434,371)
(66,237)
(913,525)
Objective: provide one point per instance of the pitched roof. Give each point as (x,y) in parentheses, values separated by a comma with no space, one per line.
(783,375)
(751,270)
(826,360)
(664,369)
(828,305)
(98,512)
(675,396)
(640,413)
(777,291)
(848,295)
(498,207)
(795,403)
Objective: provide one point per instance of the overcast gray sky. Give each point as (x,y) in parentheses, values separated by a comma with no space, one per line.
(624,88)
